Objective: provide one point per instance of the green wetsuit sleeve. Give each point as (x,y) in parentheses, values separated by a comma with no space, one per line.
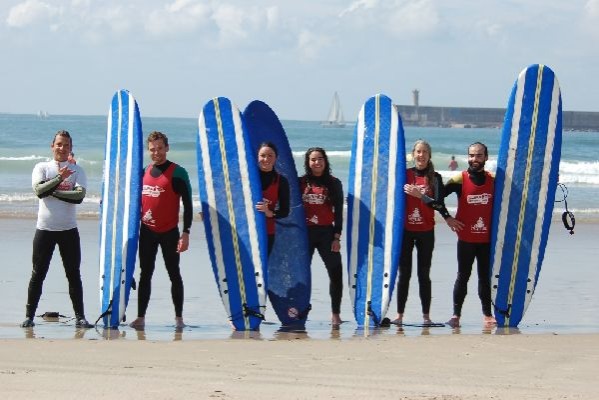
(46,188)
(182,186)
(74,196)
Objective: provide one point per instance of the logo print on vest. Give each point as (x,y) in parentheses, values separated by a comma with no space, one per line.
(414,217)
(152,191)
(482,198)
(148,218)
(479,227)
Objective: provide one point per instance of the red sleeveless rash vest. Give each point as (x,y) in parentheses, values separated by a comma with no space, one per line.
(159,202)
(475,208)
(317,205)
(419,216)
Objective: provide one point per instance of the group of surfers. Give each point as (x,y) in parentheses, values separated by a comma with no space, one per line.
(61,183)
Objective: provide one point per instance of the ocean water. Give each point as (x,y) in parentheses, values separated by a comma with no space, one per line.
(565,301)
(25,140)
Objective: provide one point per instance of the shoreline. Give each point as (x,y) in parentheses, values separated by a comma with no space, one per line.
(429,367)
(565,301)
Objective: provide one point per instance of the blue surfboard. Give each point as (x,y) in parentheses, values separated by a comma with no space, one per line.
(375,209)
(525,185)
(236,233)
(289,284)
(121,206)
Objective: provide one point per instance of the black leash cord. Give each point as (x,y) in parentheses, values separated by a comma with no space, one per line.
(567,216)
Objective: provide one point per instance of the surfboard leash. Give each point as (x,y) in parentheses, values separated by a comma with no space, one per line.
(105,313)
(373,315)
(251,312)
(567,216)
(505,313)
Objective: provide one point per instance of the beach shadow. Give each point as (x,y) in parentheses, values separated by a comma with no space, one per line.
(285,334)
(111,334)
(507,330)
(29,333)
(254,335)
(369,331)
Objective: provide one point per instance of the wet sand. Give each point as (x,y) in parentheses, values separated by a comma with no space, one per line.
(554,354)
(434,367)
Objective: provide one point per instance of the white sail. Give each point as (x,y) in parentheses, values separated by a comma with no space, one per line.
(335,118)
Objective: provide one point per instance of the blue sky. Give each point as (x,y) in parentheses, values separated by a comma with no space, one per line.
(70,56)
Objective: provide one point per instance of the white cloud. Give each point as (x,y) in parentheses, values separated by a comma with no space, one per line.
(412,17)
(272,17)
(359,5)
(591,18)
(230,21)
(178,17)
(30,12)
(310,45)
(399,18)
(592,7)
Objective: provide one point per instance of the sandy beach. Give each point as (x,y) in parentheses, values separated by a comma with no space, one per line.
(553,355)
(433,367)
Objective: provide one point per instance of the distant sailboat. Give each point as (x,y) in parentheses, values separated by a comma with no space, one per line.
(42,114)
(335,118)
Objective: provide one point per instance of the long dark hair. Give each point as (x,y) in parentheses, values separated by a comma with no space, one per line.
(430,174)
(327,169)
(326,179)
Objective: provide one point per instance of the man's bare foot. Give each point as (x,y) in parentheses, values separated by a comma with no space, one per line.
(336,320)
(179,323)
(454,321)
(399,320)
(426,320)
(489,320)
(138,323)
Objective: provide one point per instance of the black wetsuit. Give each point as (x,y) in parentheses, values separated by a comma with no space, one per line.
(168,242)
(320,237)
(424,241)
(467,253)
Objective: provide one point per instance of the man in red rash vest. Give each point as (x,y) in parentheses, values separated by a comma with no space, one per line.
(165,186)
(472,224)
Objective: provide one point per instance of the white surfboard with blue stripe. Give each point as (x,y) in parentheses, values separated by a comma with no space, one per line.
(525,185)
(236,233)
(375,209)
(121,206)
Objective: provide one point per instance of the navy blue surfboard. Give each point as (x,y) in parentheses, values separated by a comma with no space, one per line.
(375,209)
(289,283)
(525,185)
(121,207)
(236,233)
